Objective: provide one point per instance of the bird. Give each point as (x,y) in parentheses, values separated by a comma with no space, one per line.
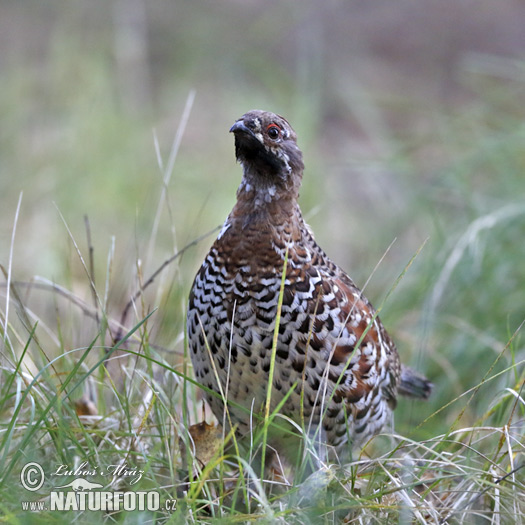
(335,367)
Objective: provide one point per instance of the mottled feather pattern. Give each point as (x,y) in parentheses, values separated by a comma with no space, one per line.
(329,334)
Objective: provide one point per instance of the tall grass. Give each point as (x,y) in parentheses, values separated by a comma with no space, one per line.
(94,366)
(142,406)
(122,400)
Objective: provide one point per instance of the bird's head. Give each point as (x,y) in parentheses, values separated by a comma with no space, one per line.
(266,146)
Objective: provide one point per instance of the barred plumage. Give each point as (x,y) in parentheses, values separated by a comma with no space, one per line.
(233,306)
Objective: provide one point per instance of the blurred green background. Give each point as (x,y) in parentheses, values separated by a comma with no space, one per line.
(410,116)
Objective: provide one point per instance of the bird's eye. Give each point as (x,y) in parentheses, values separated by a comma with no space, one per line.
(274,131)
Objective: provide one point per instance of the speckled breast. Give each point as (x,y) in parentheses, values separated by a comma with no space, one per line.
(331,350)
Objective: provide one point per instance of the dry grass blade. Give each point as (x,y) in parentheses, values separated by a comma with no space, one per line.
(5,320)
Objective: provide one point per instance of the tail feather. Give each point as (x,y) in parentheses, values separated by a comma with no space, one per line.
(414,384)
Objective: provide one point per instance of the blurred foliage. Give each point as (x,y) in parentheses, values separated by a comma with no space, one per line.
(410,117)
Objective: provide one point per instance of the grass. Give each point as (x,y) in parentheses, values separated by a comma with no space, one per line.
(142,403)
(466,475)
(94,366)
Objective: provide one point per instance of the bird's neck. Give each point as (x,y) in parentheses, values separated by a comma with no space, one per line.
(267,200)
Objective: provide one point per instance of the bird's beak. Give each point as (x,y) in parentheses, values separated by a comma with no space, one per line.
(240,127)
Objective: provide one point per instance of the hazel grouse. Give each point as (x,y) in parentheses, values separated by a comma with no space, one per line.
(332,351)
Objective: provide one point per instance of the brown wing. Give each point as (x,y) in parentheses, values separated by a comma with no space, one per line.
(362,357)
